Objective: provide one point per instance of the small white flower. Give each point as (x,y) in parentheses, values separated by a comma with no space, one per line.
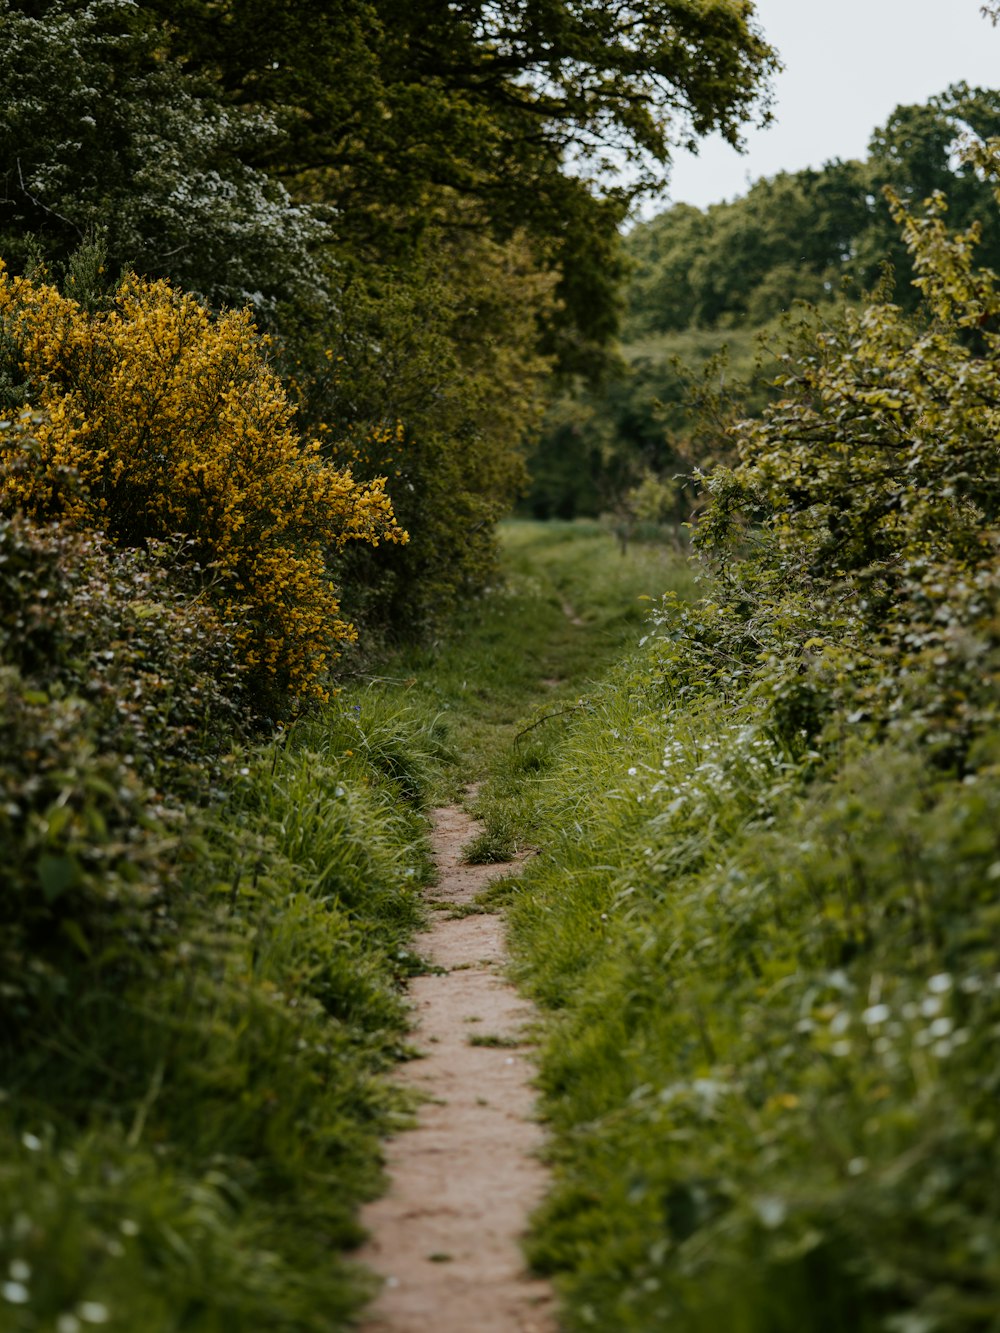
(93,1312)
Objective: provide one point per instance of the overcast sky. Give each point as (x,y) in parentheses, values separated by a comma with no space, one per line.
(847,64)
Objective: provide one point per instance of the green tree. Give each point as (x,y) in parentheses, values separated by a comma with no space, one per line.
(101,133)
(917,153)
(393,110)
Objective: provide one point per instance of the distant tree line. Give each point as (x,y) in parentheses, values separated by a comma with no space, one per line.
(704,279)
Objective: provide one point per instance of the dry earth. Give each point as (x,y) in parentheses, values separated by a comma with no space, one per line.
(463,1182)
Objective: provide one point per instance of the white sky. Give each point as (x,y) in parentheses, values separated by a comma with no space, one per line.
(847,65)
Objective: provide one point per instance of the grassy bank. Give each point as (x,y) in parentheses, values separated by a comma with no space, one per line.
(192,1105)
(774,1002)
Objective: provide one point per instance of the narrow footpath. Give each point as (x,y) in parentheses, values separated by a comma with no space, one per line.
(445,1238)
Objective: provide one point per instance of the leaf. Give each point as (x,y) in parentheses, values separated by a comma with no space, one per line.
(57,874)
(74,933)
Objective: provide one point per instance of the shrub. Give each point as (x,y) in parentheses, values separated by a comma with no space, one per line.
(773,1076)
(854,541)
(155,419)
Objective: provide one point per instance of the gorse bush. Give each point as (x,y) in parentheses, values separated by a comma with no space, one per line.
(154,419)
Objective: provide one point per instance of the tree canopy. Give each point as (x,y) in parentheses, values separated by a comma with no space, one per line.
(406,195)
(725,276)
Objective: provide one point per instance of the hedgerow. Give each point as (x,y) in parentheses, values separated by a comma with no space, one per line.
(196,997)
(768,924)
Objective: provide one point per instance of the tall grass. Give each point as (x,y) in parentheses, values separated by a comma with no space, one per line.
(773,1001)
(189,1126)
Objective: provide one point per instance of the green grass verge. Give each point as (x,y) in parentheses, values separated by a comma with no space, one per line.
(505,681)
(191,1120)
(773,988)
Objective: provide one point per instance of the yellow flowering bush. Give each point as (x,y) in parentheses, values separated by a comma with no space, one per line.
(152,418)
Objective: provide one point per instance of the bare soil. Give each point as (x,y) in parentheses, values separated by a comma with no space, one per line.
(446,1235)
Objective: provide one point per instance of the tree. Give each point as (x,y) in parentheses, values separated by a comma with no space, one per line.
(917,154)
(100,133)
(394,110)
(798,235)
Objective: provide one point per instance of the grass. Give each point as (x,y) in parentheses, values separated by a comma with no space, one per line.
(487,680)
(186,1138)
(771,986)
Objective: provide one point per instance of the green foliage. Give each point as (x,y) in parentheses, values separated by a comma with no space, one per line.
(766,926)
(395,110)
(799,235)
(870,494)
(444,361)
(101,133)
(188,1138)
(704,282)
(120,700)
(647,423)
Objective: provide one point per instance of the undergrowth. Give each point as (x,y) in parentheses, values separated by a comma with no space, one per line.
(765,924)
(191,1096)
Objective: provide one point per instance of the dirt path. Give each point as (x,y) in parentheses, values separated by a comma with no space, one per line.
(445,1237)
